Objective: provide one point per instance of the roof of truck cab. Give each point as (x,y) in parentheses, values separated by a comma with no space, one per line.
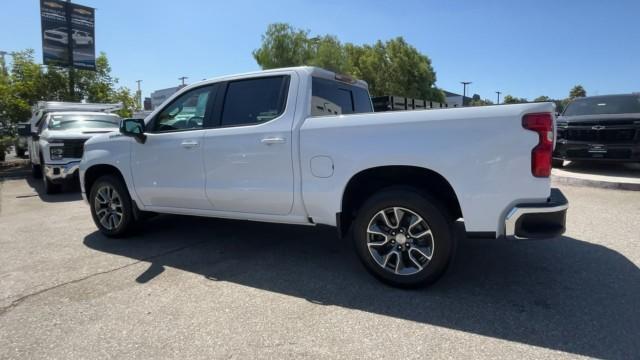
(309,70)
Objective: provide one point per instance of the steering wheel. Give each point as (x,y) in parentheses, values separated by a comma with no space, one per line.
(195,122)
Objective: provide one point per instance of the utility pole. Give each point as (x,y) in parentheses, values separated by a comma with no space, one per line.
(139,95)
(183,78)
(498,102)
(464,89)
(72,86)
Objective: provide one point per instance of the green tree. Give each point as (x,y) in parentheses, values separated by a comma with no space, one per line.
(542,98)
(327,52)
(283,46)
(477,101)
(391,67)
(577,91)
(513,100)
(128,99)
(96,86)
(560,104)
(28,82)
(408,72)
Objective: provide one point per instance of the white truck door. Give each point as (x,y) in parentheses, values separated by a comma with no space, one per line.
(248,155)
(167,169)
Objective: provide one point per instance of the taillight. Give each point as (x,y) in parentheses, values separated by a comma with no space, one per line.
(542,123)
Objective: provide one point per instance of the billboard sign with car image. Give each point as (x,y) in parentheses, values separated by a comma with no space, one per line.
(68,27)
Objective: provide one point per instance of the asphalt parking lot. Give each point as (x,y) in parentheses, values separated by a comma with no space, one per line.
(206,288)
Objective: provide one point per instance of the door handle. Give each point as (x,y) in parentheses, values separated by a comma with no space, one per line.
(273,140)
(189,144)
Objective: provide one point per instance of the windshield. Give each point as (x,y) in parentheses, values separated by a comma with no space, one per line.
(65,122)
(615,104)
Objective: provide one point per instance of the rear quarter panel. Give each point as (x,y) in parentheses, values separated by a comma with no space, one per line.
(483,152)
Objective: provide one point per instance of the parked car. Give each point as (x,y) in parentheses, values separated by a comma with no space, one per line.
(58,132)
(602,128)
(262,146)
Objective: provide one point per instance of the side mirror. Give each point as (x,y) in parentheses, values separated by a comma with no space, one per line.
(133,128)
(24,129)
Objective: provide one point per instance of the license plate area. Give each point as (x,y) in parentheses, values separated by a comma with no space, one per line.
(597,150)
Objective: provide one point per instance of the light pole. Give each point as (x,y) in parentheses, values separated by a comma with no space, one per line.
(183,78)
(498,102)
(139,95)
(464,89)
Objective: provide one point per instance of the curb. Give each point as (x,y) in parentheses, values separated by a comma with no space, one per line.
(613,185)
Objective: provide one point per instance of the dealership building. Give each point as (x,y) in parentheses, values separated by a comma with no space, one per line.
(159,96)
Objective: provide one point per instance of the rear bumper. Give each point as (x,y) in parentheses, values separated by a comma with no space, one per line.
(538,220)
(58,173)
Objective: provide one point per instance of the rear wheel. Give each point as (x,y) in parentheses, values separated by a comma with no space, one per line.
(404,238)
(111,207)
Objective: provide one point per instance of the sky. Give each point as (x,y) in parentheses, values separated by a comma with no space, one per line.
(525,48)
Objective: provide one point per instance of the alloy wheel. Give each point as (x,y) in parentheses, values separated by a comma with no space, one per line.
(108,207)
(400,241)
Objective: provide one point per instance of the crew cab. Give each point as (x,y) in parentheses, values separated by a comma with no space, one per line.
(58,132)
(600,128)
(302,146)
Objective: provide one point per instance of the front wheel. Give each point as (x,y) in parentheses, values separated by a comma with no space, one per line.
(404,237)
(50,187)
(111,207)
(36,171)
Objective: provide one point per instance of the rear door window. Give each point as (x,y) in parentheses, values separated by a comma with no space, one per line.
(254,101)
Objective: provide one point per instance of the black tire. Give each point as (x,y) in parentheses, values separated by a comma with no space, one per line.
(438,220)
(123,227)
(50,187)
(557,163)
(36,171)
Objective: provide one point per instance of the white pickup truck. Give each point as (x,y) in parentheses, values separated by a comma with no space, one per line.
(56,134)
(302,146)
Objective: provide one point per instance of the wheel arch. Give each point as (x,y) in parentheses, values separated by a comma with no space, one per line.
(368,181)
(96,171)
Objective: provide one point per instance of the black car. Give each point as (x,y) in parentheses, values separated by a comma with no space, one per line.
(603,128)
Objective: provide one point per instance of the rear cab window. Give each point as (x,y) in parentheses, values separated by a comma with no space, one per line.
(330,97)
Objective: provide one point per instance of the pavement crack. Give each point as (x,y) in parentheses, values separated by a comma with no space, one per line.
(20,300)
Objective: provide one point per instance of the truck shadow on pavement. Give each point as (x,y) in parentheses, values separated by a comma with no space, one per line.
(562,294)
